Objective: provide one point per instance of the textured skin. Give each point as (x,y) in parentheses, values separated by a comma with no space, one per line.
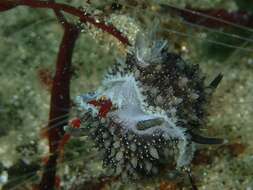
(172,84)
(157,104)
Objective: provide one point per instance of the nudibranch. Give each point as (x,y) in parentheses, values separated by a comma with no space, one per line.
(147,112)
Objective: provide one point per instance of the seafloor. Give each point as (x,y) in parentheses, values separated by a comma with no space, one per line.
(29,40)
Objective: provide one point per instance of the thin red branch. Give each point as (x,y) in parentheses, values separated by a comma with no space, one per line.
(212,17)
(60,97)
(5,5)
(83,16)
(223,17)
(59,15)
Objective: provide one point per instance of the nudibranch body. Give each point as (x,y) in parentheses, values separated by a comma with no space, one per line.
(147,111)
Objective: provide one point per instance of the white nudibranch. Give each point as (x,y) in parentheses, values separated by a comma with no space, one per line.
(138,134)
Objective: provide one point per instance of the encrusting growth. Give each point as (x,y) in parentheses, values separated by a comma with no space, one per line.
(147,112)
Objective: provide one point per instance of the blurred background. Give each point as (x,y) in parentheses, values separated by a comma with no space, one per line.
(29,43)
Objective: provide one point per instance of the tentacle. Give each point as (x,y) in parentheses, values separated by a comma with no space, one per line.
(216,81)
(204,140)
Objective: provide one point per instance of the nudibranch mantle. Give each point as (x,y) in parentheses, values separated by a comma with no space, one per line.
(125,94)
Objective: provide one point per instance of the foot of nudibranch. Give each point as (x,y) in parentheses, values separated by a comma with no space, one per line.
(186,152)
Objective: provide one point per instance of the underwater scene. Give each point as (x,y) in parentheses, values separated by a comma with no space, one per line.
(126,95)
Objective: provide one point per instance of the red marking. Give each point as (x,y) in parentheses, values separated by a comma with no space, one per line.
(104,106)
(94,102)
(76,123)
